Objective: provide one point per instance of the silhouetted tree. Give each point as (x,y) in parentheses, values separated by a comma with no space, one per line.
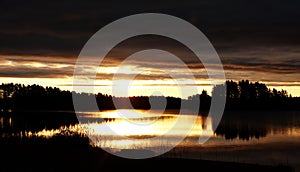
(239,95)
(248,95)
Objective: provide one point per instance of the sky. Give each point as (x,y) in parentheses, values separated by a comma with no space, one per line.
(255,40)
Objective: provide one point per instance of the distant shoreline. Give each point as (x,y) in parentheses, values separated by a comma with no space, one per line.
(240,96)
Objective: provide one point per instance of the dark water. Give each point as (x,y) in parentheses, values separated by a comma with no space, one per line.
(254,137)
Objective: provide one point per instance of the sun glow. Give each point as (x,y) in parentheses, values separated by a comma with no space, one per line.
(134,131)
(58,73)
(134,125)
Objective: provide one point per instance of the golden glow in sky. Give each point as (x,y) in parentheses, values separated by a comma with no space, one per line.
(60,74)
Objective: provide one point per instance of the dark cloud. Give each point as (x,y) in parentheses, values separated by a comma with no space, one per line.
(254,36)
(268,68)
(39,59)
(32,72)
(61,28)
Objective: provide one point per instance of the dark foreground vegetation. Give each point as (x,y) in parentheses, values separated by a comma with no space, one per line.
(61,153)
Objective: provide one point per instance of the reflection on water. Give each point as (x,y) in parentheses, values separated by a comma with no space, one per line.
(255,137)
(132,131)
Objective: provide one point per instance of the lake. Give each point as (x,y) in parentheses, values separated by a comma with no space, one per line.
(252,137)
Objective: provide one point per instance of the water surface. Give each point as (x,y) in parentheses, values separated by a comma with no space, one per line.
(254,137)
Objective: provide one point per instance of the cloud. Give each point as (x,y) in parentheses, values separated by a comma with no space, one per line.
(57,28)
(34,67)
(279,68)
(257,40)
(29,72)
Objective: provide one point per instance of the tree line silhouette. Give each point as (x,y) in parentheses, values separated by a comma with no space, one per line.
(245,95)
(239,96)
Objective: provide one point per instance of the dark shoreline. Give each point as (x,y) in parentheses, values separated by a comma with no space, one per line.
(78,157)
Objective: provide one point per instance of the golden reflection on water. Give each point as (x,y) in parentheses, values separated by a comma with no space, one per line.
(132,132)
(64,130)
(288,131)
(150,125)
